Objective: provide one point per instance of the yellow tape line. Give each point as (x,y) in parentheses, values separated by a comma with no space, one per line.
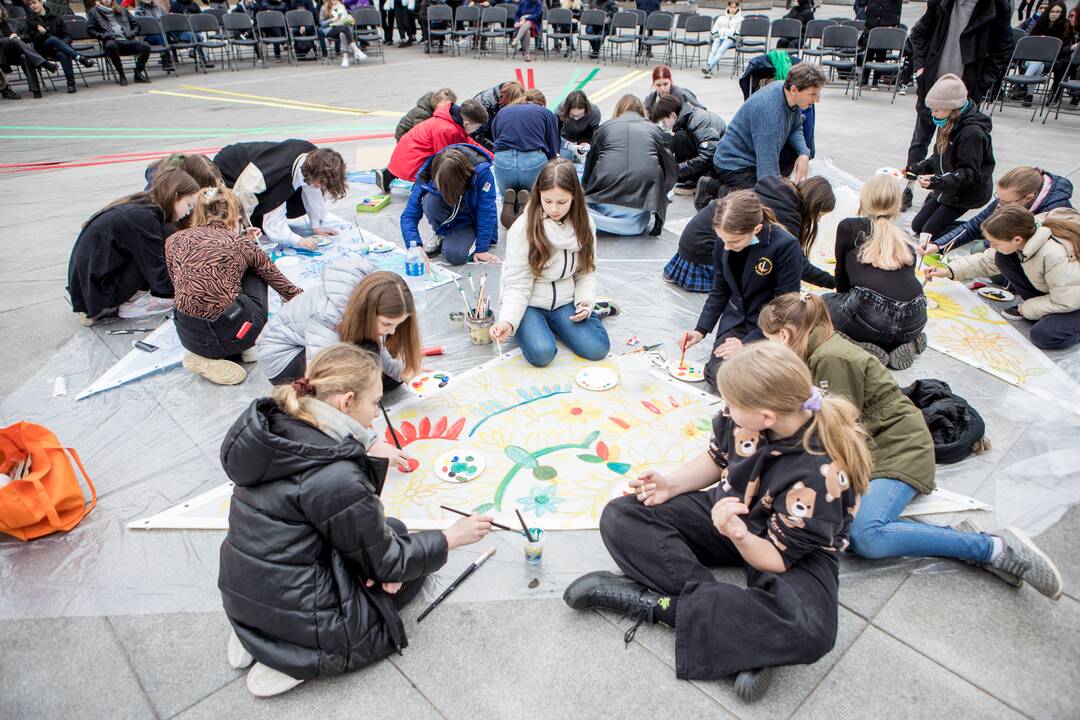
(352,113)
(298,103)
(617,85)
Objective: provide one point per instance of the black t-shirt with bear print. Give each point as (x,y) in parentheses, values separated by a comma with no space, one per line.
(801,501)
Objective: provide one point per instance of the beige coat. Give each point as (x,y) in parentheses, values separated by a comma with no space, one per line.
(1048,263)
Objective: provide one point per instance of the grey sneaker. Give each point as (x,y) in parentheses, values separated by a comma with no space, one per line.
(969,526)
(1022,558)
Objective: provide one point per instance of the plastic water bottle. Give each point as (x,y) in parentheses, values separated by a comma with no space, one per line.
(414,262)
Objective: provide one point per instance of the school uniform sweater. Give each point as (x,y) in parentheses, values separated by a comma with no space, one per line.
(762,126)
(560,282)
(526,128)
(208,263)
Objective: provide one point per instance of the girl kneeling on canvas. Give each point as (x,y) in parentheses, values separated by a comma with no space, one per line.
(312,574)
(549,278)
(220,278)
(354,304)
(785,467)
(1042,265)
(902,453)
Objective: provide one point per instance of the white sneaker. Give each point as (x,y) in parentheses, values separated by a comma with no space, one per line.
(264,681)
(359,55)
(144,305)
(239,658)
(344,61)
(219,372)
(249,356)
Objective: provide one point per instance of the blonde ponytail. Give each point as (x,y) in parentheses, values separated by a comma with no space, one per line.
(336,370)
(770,376)
(1064,224)
(887,247)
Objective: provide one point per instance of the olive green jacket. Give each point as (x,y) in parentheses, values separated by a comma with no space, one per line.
(899,439)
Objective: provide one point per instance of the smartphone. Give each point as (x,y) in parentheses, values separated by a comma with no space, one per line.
(145,346)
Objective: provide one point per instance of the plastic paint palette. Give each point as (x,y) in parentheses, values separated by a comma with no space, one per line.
(688,372)
(426,382)
(459,465)
(597,378)
(380,246)
(996,294)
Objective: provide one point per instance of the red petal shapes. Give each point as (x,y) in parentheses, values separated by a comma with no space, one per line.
(650,407)
(452,433)
(407,431)
(440,427)
(602,450)
(425,428)
(621,423)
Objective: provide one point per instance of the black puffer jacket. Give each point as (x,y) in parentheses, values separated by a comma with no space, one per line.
(306,529)
(779,195)
(963,175)
(630,164)
(706,128)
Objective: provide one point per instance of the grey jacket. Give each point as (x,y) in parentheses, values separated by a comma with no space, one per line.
(309,323)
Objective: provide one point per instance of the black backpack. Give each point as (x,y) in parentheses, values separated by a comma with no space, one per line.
(955,426)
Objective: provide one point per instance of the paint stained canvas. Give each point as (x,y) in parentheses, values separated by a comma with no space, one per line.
(553,450)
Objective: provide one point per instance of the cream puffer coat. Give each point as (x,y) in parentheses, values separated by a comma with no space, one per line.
(725,26)
(1049,264)
(560,283)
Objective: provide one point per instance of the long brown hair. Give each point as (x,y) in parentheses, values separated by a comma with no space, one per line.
(629,103)
(201,168)
(1008,222)
(326,168)
(943,133)
(769,376)
(1064,224)
(798,313)
(888,246)
(337,369)
(511,93)
(559,173)
(740,212)
(168,186)
(575,100)
(816,198)
(386,294)
(452,172)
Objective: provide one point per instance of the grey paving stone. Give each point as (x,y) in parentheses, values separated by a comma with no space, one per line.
(179,658)
(866,585)
(544,656)
(1015,644)
(879,677)
(379,691)
(66,668)
(1060,542)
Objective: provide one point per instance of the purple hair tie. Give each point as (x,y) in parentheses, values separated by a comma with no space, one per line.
(813,403)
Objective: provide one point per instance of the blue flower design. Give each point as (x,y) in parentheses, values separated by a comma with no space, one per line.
(542,499)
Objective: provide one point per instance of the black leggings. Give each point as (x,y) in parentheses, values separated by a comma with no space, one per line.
(936,218)
(1023,9)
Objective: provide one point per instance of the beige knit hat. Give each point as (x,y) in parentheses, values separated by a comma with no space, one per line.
(948,93)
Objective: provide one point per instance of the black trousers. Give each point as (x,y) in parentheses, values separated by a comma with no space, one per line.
(406,22)
(114,48)
(18,52)
(721,628)
(923,134)
(936,218)
(1052,332)
(409,590)
(119,287)
(386,17)
(867,316)
(714,363)
(217,339)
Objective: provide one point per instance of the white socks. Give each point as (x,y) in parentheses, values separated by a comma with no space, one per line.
(999,547)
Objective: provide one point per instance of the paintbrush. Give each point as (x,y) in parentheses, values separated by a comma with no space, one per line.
(682,355)
(389,425)
(465,514)
(524,525)
(472,286)
(457,581)
(468,309)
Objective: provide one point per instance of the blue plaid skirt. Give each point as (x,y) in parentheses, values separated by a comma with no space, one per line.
(693,277)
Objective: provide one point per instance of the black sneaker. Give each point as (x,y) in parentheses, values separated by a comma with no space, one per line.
(907,200)
(508,214)
(121,81)
(658,225)
(751,685)
(602,589)
(903,356)
(9,94)
(142,77)
(1012,313)
(85,61)
(71,86)
(707,189)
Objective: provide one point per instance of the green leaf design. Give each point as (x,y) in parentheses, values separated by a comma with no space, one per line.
(544,472)
(481,509)
(618,467)
(592,436)
(591,458)
(521,456)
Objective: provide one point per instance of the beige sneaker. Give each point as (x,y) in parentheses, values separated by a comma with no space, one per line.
(85,320)
(239,658)
(249,355)
(221,372)
(265,681)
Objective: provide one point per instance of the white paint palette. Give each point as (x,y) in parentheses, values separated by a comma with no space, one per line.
(597,378)
(996,294)
(687,372)
(380,246)
(424,383)
(459,465)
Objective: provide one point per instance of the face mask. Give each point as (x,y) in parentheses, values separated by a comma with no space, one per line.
(753,241)
(940,122)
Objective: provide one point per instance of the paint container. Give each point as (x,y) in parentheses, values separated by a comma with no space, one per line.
(534,551)
(634,371)
(457,319)
(480,330)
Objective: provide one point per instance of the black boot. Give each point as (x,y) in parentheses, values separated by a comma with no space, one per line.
(602,589)
(121,80)
(71,86)
(85,61)
(141,76)
(50,66)
(9,94)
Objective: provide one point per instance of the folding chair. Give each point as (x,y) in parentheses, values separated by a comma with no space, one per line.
(151,28)
(86,45)
(695,36)
(1035,49)
(368,31)
(466,26)
(814,30)
(623,34)
(302,28)
(174,26)
(658,31)
(592,26)
(208,35)
(274,21)
(889,41)
(859,25)
(840,44)
(439,14)
(1067,83)
(493,25)
(788,29)
(240,33)
(753,39)
(560,28)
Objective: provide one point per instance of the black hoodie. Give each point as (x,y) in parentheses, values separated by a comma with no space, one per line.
(963,175)
(306,529)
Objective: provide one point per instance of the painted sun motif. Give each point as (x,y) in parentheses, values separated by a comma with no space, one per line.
(417,490)
(579,412)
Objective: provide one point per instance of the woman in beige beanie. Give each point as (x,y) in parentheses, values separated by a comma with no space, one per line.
(960,173)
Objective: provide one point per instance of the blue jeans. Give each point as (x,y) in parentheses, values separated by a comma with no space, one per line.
(64,53)
(517,170)
(719,48)
(538,329)
(877,531)
(619,220)
(184,37)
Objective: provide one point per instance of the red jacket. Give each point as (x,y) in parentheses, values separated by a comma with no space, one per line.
(441,130)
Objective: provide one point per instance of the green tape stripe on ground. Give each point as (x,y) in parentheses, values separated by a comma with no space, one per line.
(588,78)
(566,89)
(125,132)
(159,136)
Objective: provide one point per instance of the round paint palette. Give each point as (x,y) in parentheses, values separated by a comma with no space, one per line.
(428,381)
(460,465)
(996,294)
(597,378)
(380,246)
(688,372)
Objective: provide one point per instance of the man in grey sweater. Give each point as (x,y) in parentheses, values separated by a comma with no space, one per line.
(769,120)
